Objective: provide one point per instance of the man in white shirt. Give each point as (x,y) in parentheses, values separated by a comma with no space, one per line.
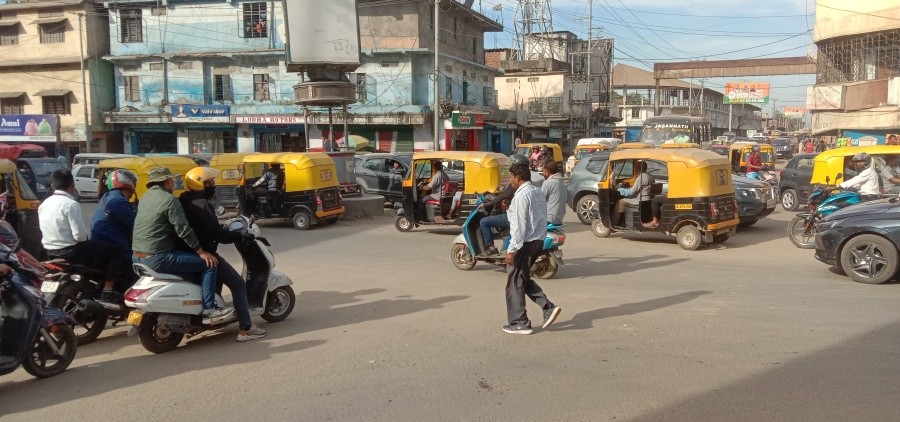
(890,177)
(867,179)
(65,236)
(527,228)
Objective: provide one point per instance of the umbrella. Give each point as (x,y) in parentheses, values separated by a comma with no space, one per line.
(354,141)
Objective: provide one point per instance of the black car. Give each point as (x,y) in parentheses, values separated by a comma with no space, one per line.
(861,240)
(582,187)
(783,148)
(755,199)
(794,183)
(376,175)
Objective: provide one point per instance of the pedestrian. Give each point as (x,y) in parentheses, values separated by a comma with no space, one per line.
(528,228)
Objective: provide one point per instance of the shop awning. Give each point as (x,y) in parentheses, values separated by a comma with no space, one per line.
(5,95)
(8,22)
(47,21)
(53,92)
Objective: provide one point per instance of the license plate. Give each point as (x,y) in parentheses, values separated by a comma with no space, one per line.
(49,286)
(134,318)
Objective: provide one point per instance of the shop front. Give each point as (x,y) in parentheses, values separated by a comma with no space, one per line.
(211,139)
(274,133)
(206,128)
(385,133)
(461,131)
(152,140)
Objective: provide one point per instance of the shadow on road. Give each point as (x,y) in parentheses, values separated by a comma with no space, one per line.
(585,320)
(606,265)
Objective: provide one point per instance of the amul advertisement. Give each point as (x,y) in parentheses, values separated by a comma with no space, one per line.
(746,93)
(29,128)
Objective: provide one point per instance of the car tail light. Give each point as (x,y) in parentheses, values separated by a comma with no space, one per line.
(139,295)
(713,210)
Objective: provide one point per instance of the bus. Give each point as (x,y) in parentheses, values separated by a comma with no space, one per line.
(658,130)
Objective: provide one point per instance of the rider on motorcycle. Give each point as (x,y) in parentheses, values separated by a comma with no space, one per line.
(754,163)
(201,187)
(867,179)
(113,221)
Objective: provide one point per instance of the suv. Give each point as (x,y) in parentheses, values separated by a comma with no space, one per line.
(783,148)
(582,187)
(755,199)
(794,182)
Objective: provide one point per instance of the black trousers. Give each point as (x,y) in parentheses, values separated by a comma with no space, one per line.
(101,256)
(519,284)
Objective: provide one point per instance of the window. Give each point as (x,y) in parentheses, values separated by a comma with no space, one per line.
(255,20)
(474,46)
(658,169)
(635,113)
(50,13)
(261,87)
(53,32)
(12,105)
(132,25)
(361,95)
(486,94)
(390,63)
(156,66)
(465,99)
(594,166)
(376,164)
(805,163)
(56,104)
(449,88)
(84,171)
(534,79)
(511,80)
(9,35)
(132,88)
(222,88)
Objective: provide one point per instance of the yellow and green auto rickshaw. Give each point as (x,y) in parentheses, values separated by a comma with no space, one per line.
(141,167)
(738,153)
(469,173)
(20,206)
(306,188)
(691,186)
(229,177)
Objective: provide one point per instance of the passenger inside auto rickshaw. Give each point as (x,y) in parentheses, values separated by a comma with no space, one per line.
(639,191)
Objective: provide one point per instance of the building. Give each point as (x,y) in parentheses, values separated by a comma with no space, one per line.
(42,85)
(633,93)
(857,90)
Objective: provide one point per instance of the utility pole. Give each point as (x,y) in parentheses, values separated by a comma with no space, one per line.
(588,106)
(84,98)
(437,75)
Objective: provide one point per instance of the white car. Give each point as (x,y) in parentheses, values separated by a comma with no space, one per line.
(87,181)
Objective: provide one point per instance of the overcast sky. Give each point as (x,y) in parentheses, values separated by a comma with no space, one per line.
(649,31)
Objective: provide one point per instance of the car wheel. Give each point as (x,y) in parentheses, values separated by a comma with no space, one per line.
(586,208)
(869,259)
(789,199)
(689,238)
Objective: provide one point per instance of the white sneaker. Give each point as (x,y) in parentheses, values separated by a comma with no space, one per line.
(212,316)
(254,333)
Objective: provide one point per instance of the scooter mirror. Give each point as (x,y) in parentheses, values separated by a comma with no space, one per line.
(827,180)
(839,176)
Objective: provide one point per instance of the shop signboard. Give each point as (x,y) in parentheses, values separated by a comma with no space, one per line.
(794,111)
(268,120)
(201,113)
(467,120)
(29,128)
(746,93)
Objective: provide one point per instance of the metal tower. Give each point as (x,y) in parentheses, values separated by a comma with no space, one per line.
(534,23)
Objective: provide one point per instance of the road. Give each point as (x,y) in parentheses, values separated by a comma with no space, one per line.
(387,329)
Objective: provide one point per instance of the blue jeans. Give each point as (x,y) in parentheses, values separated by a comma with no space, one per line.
(499,222)
(180,262)
(231,278)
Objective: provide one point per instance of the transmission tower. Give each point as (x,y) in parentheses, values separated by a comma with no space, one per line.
(534,23)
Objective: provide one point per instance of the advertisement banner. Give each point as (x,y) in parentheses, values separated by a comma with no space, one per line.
(29,128)
(201,113)
(322,32)
(467,121)
(746,93)
(794,111)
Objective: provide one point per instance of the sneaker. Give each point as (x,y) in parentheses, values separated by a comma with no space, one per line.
(489,252)
(254,333)
(550,316)
(517,329)
(215,315)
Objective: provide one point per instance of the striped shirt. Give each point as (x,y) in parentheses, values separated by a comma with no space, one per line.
(527,216)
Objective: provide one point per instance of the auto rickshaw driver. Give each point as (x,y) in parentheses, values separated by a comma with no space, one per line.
(636,193)
(272,180)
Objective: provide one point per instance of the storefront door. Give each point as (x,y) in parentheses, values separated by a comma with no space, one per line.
(211,142)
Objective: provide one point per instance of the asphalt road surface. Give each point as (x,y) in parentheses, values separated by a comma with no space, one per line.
(386,328)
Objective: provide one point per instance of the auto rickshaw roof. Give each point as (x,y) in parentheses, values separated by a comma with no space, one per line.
(692,157)
(228,158)
(744,144)
(541,144)
(300,160)
(480,157)
(850,151)
(173,162)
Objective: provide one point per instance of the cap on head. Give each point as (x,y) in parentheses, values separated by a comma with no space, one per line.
(160,174)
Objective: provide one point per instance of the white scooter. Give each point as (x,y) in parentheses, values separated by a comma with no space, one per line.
(169,307)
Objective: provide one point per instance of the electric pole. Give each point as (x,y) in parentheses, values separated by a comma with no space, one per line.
(437,75)
(84,100)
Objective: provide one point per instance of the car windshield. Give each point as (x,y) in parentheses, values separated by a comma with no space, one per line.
(660,134)
(43,170)
(781,142)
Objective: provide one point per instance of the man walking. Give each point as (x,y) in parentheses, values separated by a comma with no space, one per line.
(528,228)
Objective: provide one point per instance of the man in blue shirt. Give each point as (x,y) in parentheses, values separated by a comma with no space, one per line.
(113,221)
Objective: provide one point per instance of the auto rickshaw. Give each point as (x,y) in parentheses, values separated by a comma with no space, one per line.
(738,153)
(698,203)
(20,206)
(228,179)
(587,148)
(307,193)
(526,150)
(833,166)
(634,145)
(141,167)
(469,173)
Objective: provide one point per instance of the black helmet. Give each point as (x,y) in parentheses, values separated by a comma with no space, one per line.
(861,156)
(517,158)
(755,148)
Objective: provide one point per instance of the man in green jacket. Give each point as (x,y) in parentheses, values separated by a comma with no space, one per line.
(159,230)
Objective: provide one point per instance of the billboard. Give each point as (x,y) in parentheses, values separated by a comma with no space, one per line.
(794,111)
(322,32)
(746,93)
(29,128)
(201,113)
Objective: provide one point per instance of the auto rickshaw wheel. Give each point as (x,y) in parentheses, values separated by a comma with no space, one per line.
(689,237)
(599,229)
(462,257)
(301,220)
(403,224)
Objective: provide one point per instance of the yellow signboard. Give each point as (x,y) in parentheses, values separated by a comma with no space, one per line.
(684,206)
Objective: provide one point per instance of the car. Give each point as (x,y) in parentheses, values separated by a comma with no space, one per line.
(87,181)
(862,241)
(582,187)
(756,199)
(720,149)
(794,181)
(783,148)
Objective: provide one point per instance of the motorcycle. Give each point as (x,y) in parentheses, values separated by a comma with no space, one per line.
(823,201)
(469,244)
(33,335)
(167,307)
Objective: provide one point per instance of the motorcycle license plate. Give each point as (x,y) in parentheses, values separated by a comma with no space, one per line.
(134,318)
(49,286)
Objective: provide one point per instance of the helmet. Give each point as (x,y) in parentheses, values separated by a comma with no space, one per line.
(861,157)
(755,148)
(8,236)
(195,178)
(121,179)
(517,158)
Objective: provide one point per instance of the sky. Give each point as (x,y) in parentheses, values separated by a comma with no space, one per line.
(649,31)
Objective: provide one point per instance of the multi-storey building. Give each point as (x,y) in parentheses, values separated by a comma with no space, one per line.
(53,83)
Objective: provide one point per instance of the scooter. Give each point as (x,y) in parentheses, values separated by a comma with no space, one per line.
(37,337)
(469,244)
(823,201)
(168,307)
